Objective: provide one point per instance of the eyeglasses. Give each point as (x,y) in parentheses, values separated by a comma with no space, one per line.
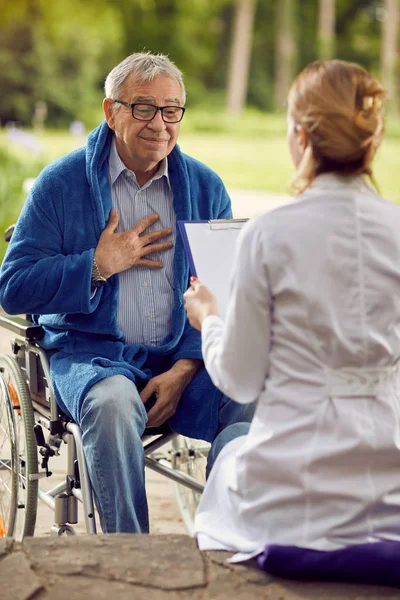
(147,112)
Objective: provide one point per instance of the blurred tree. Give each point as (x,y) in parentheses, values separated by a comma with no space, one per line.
(285,50)
(240,55)
(60,51)
(194,34)
(326,29)
(390,52)
(358,32)
(17,60)
(55,52)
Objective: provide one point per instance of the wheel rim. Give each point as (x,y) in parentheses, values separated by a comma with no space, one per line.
(8,463)
(20,495)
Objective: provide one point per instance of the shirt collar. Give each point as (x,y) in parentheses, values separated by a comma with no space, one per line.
(116,167)
(337,181)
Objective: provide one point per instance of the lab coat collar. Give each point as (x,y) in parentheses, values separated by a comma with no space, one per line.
(334,181)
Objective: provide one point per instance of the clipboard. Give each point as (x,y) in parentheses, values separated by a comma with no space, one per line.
(210,249)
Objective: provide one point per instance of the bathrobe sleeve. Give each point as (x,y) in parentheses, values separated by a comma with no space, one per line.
(40,274)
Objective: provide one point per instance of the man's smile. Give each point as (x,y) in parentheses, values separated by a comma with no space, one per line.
(155,139)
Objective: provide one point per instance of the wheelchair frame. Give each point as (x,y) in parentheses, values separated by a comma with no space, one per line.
(36,406)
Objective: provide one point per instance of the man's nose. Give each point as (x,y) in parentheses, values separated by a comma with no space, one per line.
(157,123)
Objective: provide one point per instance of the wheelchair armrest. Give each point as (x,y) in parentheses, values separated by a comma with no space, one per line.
(8,232)
(21,326)
(160,430)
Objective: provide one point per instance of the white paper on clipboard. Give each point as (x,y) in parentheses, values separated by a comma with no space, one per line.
(210,247)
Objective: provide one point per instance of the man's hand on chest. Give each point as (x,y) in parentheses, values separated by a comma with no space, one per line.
(118,251)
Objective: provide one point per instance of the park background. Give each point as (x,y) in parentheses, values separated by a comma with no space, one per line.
(238,58)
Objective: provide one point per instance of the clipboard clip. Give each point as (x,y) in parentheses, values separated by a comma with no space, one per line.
(226,223)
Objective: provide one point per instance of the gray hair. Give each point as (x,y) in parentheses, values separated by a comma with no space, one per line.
(146,67)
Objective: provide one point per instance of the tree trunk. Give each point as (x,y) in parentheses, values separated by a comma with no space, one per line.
(389,52)
(240,55)
(326,29)
(285,53)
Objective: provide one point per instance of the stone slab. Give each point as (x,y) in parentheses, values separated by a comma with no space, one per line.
(6,545)
(237,581)
(18,581)
(152,567)
(168,562)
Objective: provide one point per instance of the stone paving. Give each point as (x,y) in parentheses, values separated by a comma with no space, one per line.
(140,567)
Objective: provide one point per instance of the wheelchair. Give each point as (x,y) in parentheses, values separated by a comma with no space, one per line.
(32,431)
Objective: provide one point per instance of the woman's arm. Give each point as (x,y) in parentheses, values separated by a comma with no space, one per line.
(236,351)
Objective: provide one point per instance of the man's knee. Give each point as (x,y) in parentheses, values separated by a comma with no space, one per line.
(231,412)
(227,435)
(114,399)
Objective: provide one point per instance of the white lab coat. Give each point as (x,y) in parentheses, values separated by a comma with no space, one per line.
(313,332)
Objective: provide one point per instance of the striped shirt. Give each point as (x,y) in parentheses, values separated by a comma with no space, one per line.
(146,295)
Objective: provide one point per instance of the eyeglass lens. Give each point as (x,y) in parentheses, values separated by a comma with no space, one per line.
(147,112)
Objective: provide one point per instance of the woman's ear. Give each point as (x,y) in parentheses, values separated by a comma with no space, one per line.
(302,137)
(298,140)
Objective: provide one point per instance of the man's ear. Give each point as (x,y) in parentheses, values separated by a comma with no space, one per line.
(108,112)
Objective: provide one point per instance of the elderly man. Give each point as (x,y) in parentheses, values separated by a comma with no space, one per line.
(96,258)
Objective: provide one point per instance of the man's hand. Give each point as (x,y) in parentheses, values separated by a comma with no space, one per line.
(117,252)
(168,389)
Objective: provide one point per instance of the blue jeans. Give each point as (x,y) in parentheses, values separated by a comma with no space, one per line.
(113,419)
(228,434)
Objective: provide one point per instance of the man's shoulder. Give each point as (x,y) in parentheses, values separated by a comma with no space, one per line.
(67,171)
(72,161)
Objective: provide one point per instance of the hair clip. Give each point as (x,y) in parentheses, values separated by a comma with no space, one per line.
(371,102)
(368,102)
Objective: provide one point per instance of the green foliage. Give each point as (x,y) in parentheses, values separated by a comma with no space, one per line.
(55,52)
(359,32)
(17,72)
(13,172)
(193,34)
(61,51)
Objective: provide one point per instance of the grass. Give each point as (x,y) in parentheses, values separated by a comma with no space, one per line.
(246,163)
(249,152)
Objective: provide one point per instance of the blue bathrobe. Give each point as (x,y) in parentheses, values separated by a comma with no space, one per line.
(47,272)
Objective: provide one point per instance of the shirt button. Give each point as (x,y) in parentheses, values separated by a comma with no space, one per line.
(149,316)
(144,284)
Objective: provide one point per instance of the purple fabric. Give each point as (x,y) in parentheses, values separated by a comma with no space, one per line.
(376,563)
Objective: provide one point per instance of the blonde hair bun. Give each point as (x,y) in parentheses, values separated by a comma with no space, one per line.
(368,117)
(339,105)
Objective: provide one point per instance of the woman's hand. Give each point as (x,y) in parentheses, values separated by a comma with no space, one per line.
(199,303)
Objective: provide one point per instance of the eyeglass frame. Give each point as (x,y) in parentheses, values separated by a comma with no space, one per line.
(158,108)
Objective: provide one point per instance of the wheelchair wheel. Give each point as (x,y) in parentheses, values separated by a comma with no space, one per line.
(190,457)
(18,454)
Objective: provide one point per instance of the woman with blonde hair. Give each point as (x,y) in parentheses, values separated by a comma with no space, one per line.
(313,332)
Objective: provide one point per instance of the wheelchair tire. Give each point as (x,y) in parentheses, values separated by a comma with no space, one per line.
(190,457)
(18,454)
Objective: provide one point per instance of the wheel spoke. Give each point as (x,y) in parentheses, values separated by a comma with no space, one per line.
(189,456)
(5,486)
(5,464)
